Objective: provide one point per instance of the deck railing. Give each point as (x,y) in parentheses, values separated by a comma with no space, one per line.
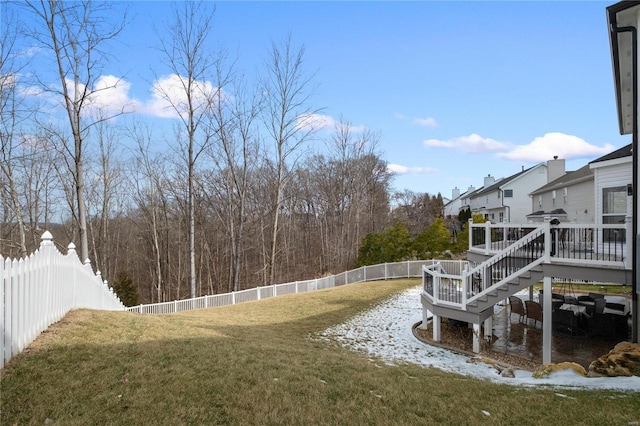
(40,289)
(519,248)
(569,242)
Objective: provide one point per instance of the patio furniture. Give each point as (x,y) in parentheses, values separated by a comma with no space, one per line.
(590,301)
(569,319)
(534,311)
(517,307)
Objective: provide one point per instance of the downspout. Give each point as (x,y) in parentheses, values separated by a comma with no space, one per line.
(634,145)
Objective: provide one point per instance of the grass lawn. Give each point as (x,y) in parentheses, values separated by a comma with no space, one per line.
(258,363)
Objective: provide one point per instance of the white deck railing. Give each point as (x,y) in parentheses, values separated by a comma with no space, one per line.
(574,243)
(518,248)
(40,289)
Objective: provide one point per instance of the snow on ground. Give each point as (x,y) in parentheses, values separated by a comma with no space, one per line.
(385,332)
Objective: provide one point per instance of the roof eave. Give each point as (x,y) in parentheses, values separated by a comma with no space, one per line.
(622,67)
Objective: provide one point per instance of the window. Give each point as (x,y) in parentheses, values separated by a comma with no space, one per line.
(614,210)
(508,193)
(540,200)
(553,197)
(565,195)
(501,216)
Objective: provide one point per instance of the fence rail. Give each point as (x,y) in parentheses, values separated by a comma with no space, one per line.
(38,290)
(407,269)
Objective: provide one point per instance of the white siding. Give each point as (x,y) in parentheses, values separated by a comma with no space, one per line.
(608,175)
(518,205)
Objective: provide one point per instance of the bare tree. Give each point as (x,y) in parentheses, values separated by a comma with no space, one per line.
(289,120)
(234,154)
(186,51)
(151,204)
(10,118)
(77,34)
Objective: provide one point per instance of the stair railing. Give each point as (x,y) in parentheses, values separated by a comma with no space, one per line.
(507,265)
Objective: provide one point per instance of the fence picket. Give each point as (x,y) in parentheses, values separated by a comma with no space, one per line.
(40,289)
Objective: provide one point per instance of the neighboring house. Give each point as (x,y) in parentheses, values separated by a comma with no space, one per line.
(569,198)
(465,199)
(613,174)
(596,193)
(452,207)
(507,200)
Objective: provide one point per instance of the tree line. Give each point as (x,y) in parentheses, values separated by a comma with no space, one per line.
(233,198)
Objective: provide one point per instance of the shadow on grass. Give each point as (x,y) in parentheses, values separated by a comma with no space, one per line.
(256,364)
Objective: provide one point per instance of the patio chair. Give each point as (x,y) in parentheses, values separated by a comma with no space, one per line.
(517,307)
(534,311)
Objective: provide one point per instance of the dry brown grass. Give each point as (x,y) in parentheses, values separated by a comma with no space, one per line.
(257,363)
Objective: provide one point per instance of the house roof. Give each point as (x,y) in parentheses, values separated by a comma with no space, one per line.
(625,151)
(621,16)
(501,182)
(584,173)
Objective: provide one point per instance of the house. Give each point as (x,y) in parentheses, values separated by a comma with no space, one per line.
(570,198)
(452,207)
(613,175)
(598,192)
(507,199)
(465,199)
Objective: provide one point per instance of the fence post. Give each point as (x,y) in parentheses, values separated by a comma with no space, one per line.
(233,297)
(385,271)
(408,269)
(487,237)
(71,251)
(365,273)
(175,306)
(628,233)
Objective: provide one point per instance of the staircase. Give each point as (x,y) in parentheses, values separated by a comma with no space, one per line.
(471,295)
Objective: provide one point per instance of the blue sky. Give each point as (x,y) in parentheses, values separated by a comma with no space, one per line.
(457,90)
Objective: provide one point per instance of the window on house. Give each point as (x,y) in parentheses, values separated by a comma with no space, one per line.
(493,216)
(540,200)
(614,210)
(565,195)
(501,216)
(508,193)
(553,197)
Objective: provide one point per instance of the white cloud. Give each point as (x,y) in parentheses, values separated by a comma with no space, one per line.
(315,121)
(169,99)
(565,146)
(398,169)
(473,143)
(111,94)
(426,122)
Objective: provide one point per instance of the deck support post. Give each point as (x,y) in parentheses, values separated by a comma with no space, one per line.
(425,318)
(547,321)
(476,337)
(488,329)
(436,328)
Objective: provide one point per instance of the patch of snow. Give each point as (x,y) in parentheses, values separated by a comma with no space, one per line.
(385,332)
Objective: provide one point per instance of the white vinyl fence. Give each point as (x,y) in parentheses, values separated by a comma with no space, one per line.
(40,289)
(408,269)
